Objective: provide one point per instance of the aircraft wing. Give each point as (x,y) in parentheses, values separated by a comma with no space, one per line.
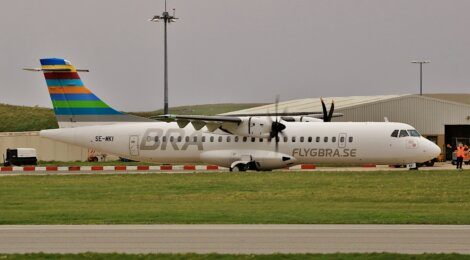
(211,122)
(227,121)
(318,115)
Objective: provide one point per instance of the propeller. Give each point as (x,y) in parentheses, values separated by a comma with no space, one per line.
(327,115)
(276,126)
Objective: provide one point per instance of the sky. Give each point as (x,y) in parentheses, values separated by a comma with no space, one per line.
(237,51)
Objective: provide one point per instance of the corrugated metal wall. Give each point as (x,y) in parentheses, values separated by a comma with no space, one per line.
(428,115)
(47,150)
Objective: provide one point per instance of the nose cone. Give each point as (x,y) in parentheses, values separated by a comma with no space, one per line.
(436,150)
(431,150)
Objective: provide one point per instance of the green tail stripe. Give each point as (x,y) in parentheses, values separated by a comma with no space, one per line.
(79,104)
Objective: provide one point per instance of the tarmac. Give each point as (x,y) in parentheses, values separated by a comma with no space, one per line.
(235,239)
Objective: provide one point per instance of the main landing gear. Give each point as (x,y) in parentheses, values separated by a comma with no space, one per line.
(239,168)
(243,167)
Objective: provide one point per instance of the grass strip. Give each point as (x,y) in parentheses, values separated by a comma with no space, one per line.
(409,197)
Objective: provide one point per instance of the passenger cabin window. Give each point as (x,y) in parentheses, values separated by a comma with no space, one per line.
(293,139)
(211,139)
(164,139)
(195,139)
(236,139)
(333,139)
(245,139)
(186,139)
(350,139)
(395,133)
(403,133)
(414,133)
(285,139)
(203,139)
(180,138)
(309,139)
(261,140)
(228,139)
(341,139)
(156,139)
(220,139)
(253,139)
(325,139)
(301,139)
(317,139)
(172,139)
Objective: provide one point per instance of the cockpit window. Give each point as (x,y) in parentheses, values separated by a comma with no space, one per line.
(413,132)
(395,133)
(403,133)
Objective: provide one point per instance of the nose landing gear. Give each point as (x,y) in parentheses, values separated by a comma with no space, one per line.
(413,166)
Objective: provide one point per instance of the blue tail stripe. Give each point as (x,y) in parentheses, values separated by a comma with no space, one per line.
(64,82)
(86,111)
(64,97)
(52,61)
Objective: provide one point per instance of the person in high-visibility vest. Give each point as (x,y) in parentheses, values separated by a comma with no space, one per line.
(460,154)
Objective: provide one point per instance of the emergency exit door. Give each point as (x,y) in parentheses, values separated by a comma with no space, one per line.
(134,145)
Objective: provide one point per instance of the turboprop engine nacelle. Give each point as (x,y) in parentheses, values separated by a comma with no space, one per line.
(253,127)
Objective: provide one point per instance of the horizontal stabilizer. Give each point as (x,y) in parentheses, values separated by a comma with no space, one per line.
(54,70)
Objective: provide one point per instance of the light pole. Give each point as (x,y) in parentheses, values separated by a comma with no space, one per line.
(167,18)
(420,74)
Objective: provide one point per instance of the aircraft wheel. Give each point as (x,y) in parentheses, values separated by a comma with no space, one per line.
(429,163)
(239,168)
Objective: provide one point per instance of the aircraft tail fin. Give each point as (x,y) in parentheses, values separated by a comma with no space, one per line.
(74,104)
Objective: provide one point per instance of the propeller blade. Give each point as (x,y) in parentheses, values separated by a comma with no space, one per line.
(332,108)
(276,126)
(277,107)
(325,113)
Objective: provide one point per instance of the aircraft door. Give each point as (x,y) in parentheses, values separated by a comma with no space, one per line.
(134,145)
(342,140)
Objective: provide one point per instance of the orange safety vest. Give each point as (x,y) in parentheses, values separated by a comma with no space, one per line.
(460,151)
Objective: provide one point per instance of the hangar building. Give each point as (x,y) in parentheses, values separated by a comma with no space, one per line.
(442,118)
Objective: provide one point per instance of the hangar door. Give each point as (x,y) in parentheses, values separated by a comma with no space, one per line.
(455,134)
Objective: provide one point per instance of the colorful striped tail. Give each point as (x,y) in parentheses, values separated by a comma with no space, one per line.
(74,104)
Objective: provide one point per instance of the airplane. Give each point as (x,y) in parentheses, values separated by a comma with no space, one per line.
(239,142)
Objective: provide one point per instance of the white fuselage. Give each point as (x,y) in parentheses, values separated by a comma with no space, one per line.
(303,142)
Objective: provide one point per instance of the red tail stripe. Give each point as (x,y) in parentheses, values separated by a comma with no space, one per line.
(61,75)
